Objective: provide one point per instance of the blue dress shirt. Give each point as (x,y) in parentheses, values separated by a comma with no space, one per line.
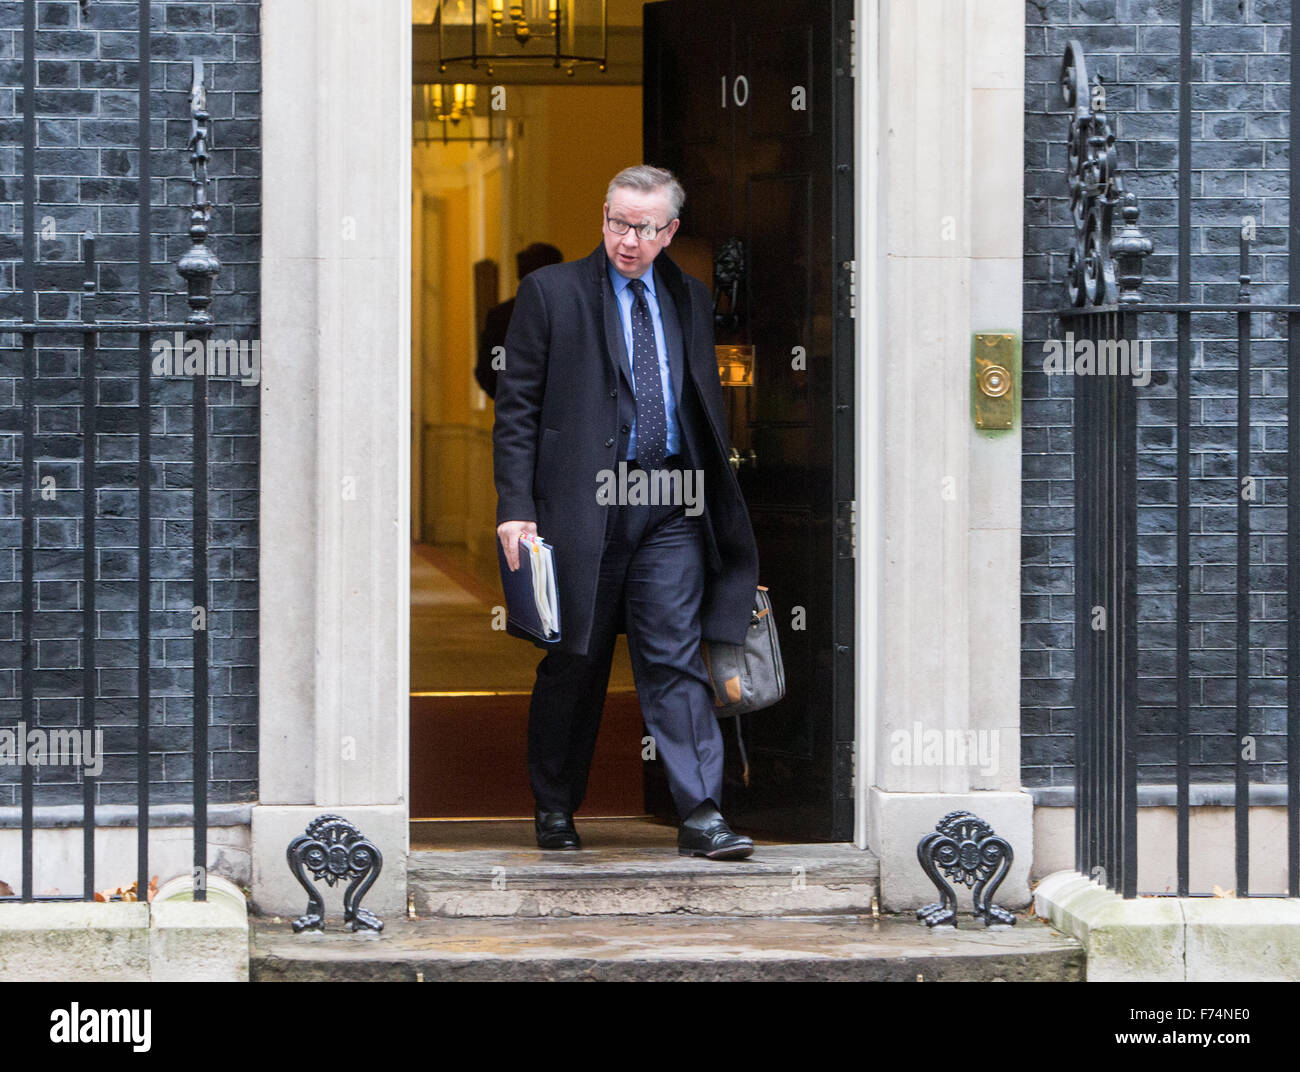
(624,296)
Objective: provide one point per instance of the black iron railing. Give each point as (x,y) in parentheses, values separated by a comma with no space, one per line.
(198,266)
(1111,688)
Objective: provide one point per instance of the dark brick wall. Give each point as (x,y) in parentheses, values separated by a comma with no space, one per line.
(88,168)
(1240,131)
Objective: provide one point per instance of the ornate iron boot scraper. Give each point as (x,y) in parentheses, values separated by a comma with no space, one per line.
(967,850)
(333,849)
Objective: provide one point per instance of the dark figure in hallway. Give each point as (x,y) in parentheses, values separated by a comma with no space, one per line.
(497,320)
(609,362)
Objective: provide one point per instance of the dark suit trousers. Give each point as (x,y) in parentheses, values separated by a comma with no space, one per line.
(652,565)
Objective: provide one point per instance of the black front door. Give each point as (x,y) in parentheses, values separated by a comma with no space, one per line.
(750,104)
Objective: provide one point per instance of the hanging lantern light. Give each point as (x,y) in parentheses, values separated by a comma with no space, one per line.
(451,104)
(446,113)
(561,33)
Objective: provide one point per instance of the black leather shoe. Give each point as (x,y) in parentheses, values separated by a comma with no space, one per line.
(706,833)
(555,830)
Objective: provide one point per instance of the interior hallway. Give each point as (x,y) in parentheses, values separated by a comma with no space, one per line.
(470,686)
(453,645)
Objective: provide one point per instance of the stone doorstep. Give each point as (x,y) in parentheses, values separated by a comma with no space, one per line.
(1174,939)
(667,948)
(776,880)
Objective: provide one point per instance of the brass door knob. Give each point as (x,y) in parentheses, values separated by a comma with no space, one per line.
(736,459)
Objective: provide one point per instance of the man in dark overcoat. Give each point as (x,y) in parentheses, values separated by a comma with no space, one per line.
(610,388)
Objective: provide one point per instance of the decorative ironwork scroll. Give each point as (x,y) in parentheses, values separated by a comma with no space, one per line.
(333,849)
(965,848)
(1104,270)
(199,265)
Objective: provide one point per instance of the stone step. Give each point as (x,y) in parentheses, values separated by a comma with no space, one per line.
(645,880)
(667,949)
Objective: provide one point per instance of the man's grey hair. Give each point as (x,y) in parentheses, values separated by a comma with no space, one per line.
(648,179)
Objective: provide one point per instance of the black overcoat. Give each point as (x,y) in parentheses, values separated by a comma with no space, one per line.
(564,408)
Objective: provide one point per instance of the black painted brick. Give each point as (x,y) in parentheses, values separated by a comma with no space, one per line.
(1240,127)
(88,166)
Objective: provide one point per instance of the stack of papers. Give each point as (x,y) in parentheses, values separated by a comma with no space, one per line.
(548,603)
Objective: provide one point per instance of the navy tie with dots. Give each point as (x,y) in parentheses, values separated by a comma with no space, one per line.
(651,422)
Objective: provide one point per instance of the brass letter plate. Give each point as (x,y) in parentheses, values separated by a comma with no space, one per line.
(994,371)
(735,365)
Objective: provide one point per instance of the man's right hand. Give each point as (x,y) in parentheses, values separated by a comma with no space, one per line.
(508,532)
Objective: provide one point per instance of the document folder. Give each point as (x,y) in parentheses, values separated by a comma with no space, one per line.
(532,602)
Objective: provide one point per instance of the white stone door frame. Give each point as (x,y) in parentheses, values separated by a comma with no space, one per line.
(940,209)
(335,445)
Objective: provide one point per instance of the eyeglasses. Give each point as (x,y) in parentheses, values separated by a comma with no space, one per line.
(647,231)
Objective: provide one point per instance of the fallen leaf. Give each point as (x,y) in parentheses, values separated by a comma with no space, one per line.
(6,890)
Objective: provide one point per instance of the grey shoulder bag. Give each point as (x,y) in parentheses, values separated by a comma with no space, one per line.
(747,677)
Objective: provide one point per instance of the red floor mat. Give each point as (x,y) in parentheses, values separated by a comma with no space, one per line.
(469,758)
